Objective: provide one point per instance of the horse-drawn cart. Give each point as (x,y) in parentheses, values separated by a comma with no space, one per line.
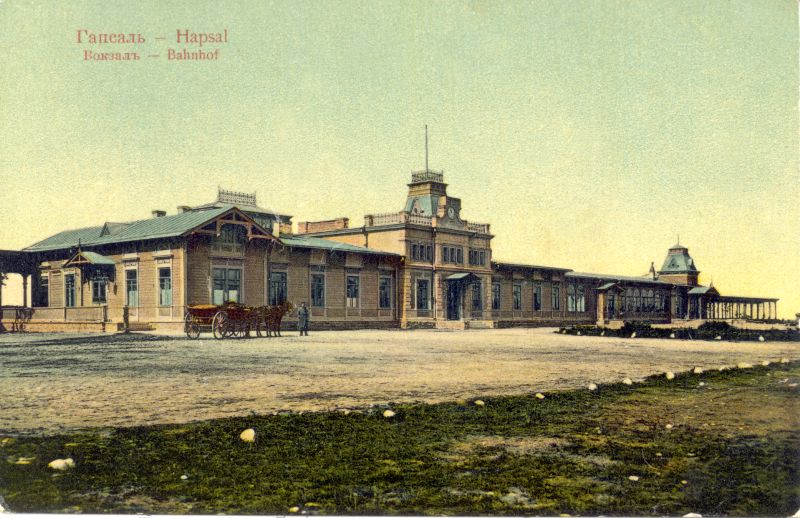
(229,320)
(234,320)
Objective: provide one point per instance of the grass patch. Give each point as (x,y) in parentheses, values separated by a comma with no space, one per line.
(732,447)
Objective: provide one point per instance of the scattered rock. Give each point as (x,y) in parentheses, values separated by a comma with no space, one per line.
(61,464)
(668,426)
(633,478)
(479,402)
(294,509)
(672,335)
(743,365)
(669,375)
(248,435)
(539,395)
(627,381)
(761,338)
(184,477)
(692,515)
(701,384)
(765,363)
(633,335)
(592,386)
(388,413)
(697,370)
(718,337)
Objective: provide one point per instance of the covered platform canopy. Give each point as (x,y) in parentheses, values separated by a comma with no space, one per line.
(706,302)
(14,261)
(463,277)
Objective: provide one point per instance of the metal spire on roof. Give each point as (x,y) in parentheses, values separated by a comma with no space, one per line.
(426,149)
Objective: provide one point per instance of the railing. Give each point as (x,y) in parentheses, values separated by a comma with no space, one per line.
(396,218)
(481,228)
(427,176)
(77,313)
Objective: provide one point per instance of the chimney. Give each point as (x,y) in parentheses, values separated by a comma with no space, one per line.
(159,213)
(285,229)
(183,208)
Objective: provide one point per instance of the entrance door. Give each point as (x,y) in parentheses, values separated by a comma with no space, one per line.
(453,301)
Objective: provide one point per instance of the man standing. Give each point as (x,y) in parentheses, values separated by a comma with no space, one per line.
(302,319)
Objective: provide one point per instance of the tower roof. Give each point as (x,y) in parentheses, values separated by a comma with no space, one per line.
(678,260)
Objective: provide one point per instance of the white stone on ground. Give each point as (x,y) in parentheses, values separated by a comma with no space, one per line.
(592,386)
(248,435)
(697,370)
(627,381)
(388,413)
(479,402)
(539,395)
(670,375)
(61,464)
(633,478)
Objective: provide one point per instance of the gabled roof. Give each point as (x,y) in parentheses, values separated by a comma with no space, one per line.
(86,257)
(153,228)
(703,290)
(327,244)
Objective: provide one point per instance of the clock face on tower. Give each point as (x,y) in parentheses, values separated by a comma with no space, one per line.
(451,212)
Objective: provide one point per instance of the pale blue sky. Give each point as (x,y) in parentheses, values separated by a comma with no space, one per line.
(587,133)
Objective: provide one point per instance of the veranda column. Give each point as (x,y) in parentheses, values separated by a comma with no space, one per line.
(24,290)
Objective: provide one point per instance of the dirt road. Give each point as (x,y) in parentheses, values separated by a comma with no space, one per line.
(58,382)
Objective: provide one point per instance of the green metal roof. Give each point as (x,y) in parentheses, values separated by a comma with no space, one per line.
(678,261)
(615,278)
(326,244)
(153,228)
(702,290)
(95,258)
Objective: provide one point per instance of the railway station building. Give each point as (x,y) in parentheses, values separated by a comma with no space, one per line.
(423,266)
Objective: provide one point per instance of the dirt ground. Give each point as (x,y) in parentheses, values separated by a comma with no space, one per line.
(52,382)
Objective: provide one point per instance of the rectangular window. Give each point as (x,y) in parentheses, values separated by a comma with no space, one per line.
(318,290)
(278,288)
(482,258)
(445,254)
(44,291)
(555,297)
(496,296)
(422,294)
(69,290)
(385,292)
(477,300)
(226,285)
(132,287)
(414,252)
(460,255)
(518,297)
(165,286)
(537,297)
(98,291)
(429,253)
(581,305)
(352,291)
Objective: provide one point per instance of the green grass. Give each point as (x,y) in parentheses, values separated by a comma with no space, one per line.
(734,449)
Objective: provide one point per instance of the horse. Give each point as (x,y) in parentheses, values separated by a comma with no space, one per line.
(272,316)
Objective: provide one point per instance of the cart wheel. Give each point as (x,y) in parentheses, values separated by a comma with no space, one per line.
(190,327)
(220,326)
